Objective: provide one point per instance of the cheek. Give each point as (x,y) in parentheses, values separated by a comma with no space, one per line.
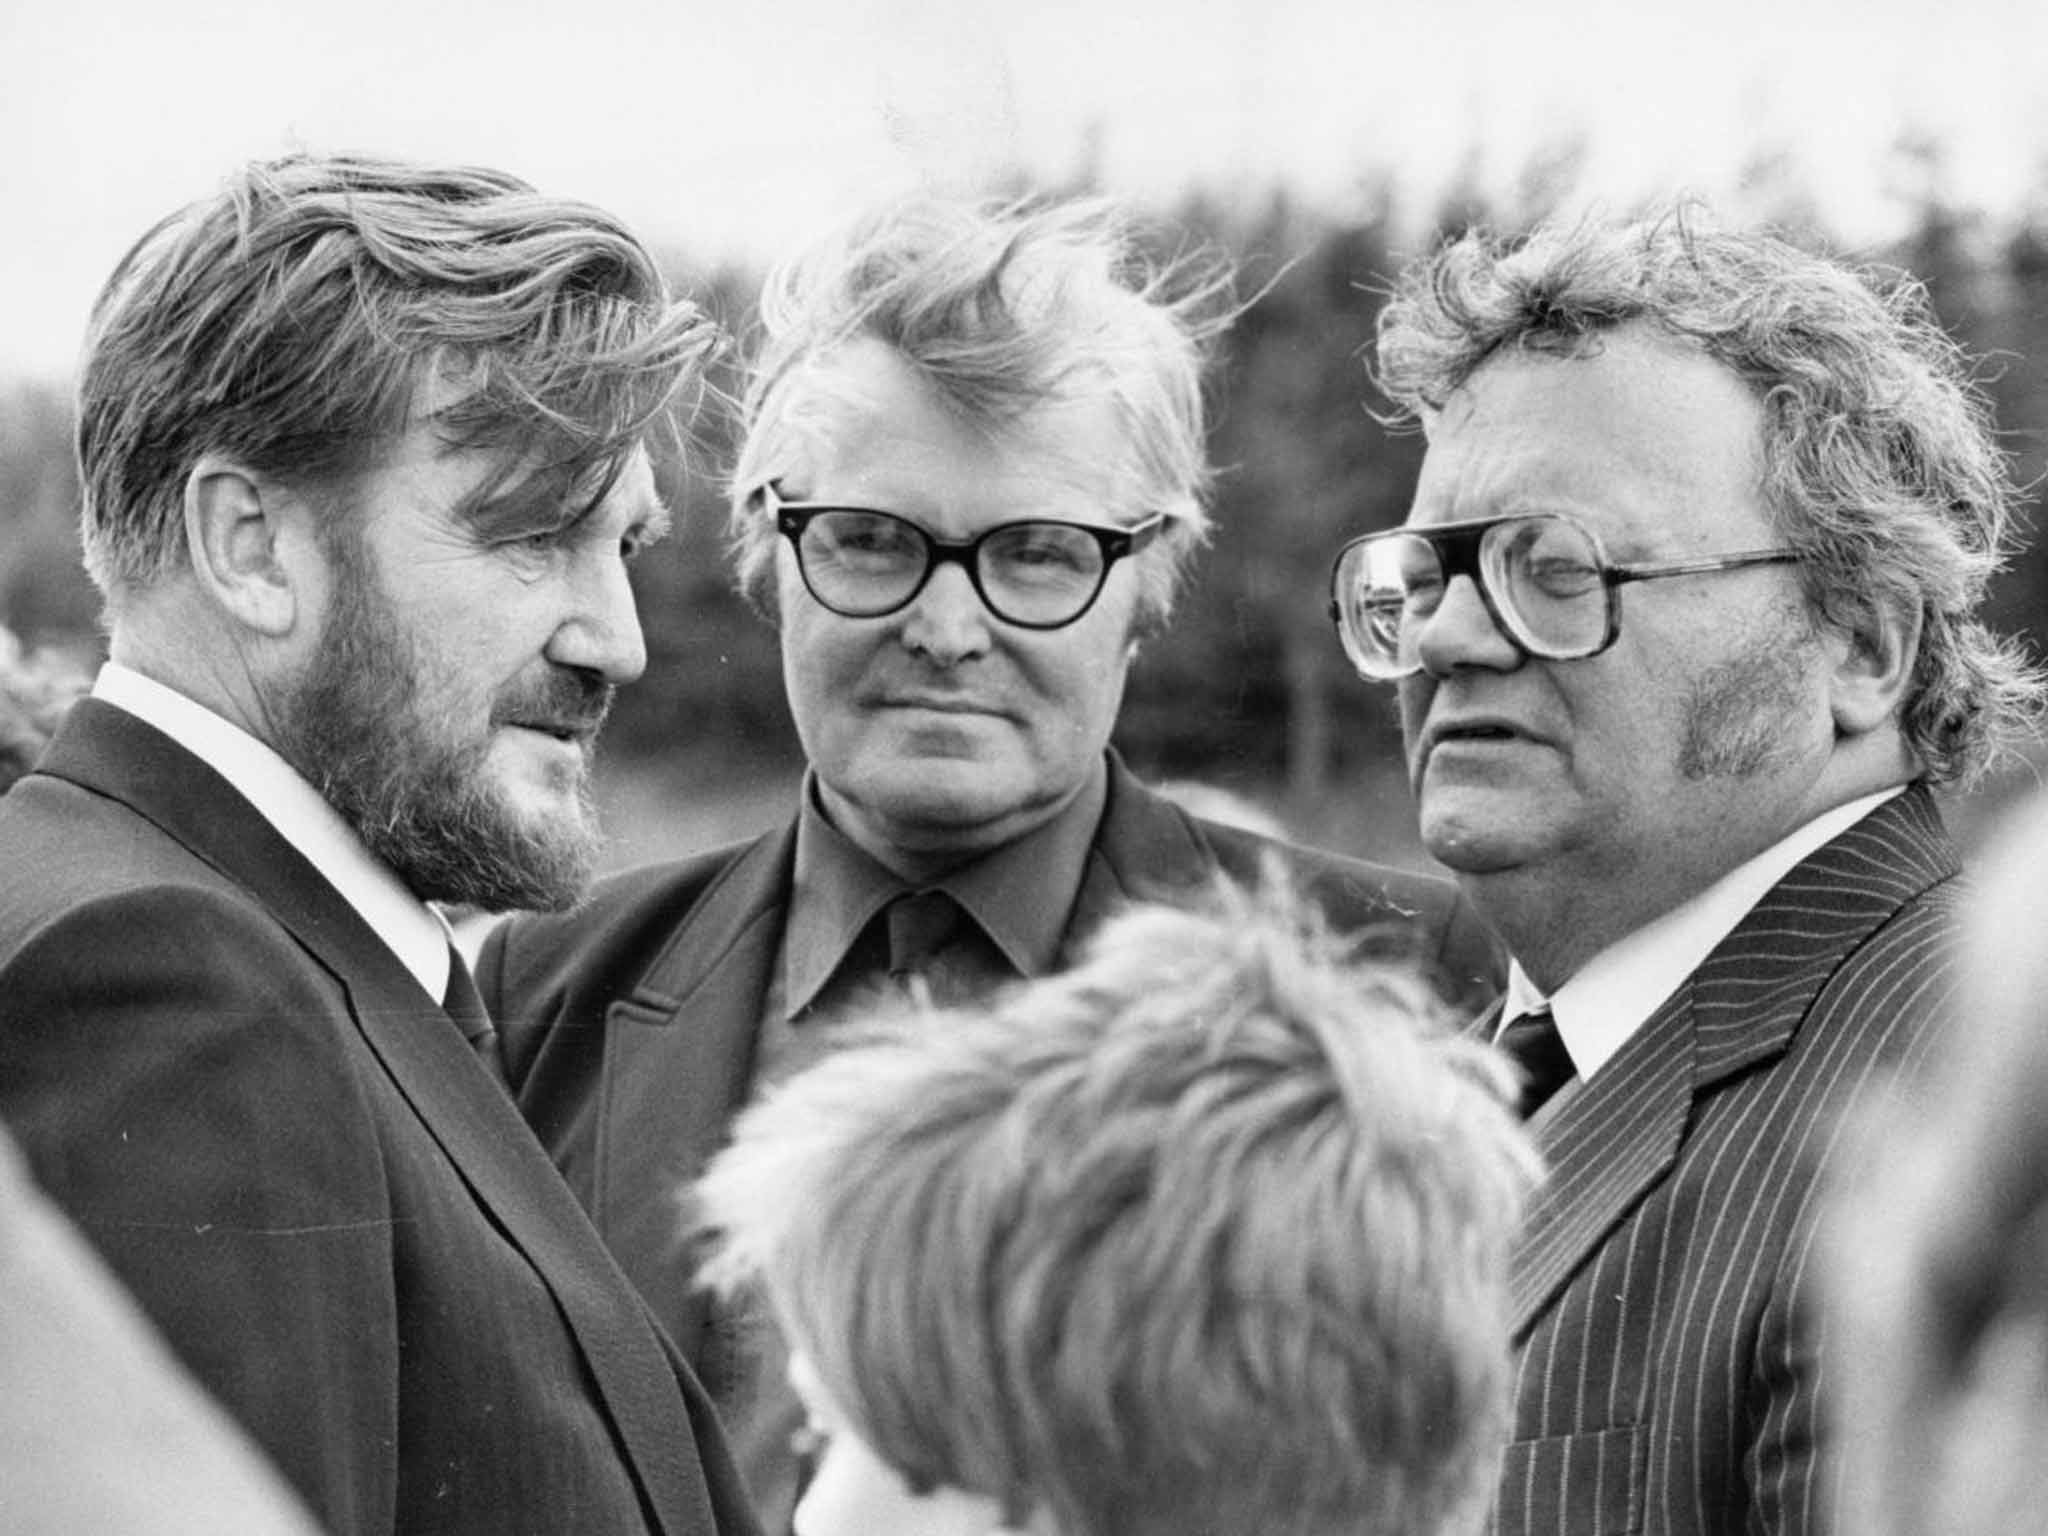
(1412,700)
(782,583)
(827,663)
(472,672)
(817,649)
(1084,669)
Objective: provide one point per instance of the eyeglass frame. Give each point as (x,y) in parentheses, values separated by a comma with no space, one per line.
(792,517)
(1456,546)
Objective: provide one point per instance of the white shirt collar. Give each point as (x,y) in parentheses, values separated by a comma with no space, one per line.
(1613,995)
(415,932)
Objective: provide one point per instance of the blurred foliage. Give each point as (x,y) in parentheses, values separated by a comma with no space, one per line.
(45,598)
(1248,689)
(712,668)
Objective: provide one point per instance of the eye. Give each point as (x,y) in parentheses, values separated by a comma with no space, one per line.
(863,541)
(1042,552)
(1045,552)
(532,536)
(1378,606)
(1561,576)
(535,546)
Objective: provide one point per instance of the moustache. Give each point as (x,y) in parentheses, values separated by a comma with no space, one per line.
(562,700)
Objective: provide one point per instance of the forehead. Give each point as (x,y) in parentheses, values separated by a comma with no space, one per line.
(1647,440)
(863,425)
(500,491)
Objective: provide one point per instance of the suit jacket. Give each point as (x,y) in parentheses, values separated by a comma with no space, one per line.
(1665,1280)
(291,1158)
(633,1082)
(100,1431)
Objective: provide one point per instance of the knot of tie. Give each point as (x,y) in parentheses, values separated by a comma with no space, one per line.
(920,925)
(465,1005)
(1534,1043)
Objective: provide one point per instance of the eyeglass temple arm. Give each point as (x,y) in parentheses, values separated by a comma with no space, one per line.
(1617,574)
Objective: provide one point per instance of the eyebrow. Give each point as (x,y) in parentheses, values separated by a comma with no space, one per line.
(544,501)
(516,503)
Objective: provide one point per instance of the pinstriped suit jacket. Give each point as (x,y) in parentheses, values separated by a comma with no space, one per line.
(1664,1282)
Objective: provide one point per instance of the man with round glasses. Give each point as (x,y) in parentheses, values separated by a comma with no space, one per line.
(971,481)
(1684,625)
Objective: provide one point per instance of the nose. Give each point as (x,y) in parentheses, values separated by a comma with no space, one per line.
(601,631)
(1462,633)
(947,621)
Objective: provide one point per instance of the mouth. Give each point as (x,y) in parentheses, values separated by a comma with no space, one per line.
(945,705)
(567,707)
(1474,732)
(570,733)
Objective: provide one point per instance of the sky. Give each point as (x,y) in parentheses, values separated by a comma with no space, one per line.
(739,129)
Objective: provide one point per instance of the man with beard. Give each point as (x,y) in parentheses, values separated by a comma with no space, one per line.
(362,448)
(1684,623)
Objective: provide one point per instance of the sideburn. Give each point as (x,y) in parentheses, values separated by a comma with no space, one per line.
(1737,713)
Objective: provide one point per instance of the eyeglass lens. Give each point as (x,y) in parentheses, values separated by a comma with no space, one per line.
(870,563)
(1542,574)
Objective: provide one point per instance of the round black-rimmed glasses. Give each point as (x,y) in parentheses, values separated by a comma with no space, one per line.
(1546,582)
(1035,574)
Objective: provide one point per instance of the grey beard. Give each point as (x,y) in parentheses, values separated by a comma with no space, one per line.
(423,806)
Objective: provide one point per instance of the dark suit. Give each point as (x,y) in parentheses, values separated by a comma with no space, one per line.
(632,1086)
(292,1159)
(1665,1281)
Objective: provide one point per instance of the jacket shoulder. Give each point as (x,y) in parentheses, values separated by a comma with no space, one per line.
(1400,912)
(1349,889)
(531,961)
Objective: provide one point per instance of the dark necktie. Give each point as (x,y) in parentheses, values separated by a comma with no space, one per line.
(921,923)
(466,1008)
(1538,1049)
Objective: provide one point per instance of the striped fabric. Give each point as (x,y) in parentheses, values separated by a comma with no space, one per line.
(1664,1282)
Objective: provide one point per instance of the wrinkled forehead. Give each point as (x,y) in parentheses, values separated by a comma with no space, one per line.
(1640,437)
(866,407)
(511,474)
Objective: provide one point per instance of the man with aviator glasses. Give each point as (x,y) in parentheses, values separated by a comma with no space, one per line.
(1543,579)
(1683,621)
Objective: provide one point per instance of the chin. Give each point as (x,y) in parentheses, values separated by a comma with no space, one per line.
(544,806)
(533,785)
(1473,847)
(944,816)
(943,789)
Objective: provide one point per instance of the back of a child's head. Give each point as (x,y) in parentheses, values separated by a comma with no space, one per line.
(1207,1234)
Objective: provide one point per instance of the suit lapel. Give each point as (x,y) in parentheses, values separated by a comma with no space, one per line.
(1605,1147)
(472,1120)
(1616,1138)
(679,1053)
(494,1150)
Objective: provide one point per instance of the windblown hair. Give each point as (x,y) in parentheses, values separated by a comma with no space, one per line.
(1007,311)
(1881,466)
(289,321)
(1206,1235)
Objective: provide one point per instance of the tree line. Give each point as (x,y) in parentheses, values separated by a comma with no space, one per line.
(1247,689)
